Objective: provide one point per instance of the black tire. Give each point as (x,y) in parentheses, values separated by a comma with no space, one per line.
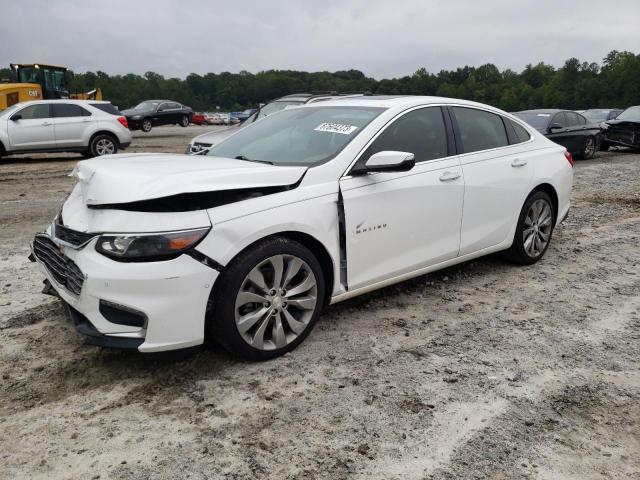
(103,144)
(146,125)
(221,323)
(518,253)
(184,121)
(589,148)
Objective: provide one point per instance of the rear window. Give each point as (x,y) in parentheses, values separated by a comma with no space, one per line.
(106,107)
(517,133)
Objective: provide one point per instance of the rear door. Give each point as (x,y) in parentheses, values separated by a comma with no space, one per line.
(498,169)
(563,135)
(31,128)
(399,222)
(73,125)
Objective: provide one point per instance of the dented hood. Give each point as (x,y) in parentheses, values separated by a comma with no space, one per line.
(132,178)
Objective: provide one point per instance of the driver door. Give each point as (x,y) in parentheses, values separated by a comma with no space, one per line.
(33,130)
(399,222)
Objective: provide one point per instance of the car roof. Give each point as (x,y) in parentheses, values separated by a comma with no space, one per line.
(545,110)
(64,100)
(396,101)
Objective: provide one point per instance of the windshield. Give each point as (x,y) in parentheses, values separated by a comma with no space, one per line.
(300,136)
(596,116)
(274,107)
(535,119)
(10,109)
(631,114)
(147,106)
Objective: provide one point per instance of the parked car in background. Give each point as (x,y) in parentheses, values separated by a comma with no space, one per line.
(198,119)
(248,244)
(601,115)
(202,143)
(92,128)
(244,115)
(567,128)
(153,113)
(624,130)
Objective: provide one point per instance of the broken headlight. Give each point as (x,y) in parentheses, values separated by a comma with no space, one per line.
(149,247)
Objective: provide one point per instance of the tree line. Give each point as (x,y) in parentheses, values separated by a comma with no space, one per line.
(576,85)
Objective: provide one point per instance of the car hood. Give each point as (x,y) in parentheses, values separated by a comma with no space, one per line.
(623,123)
(122,179)
(215,137)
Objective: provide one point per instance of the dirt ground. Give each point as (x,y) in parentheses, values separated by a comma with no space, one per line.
(485,370)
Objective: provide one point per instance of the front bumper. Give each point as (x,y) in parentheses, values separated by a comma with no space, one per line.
(170,295)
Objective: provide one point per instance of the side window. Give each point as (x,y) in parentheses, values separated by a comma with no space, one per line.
(573,119)
(34,112)
(176,106)
(163,106)
(581,119)
(516,132)
(480,130)
(560,119)
(66,110)
(421,132)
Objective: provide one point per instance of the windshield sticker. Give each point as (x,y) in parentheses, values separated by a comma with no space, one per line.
(544,114)
(336,128)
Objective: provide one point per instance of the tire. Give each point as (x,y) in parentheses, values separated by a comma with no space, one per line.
(146,125)
(184,121)
(103,144)
(522,251)
(588,148)
(252,330)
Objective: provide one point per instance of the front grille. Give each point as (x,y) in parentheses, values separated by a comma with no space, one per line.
(64,271)
(72,237)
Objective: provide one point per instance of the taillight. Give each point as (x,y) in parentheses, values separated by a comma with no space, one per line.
(569,158)
(123,121)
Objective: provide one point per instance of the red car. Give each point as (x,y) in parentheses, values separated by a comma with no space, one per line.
(198,118)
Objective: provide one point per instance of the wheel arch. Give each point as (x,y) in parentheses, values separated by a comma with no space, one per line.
(104,132)
(314,245)
(553,194)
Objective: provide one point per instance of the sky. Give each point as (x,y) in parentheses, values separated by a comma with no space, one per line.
(382,38)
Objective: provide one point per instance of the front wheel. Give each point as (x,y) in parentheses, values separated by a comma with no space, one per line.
(146,125)
(267,300)
(103,145)
(184,122)
(534,230)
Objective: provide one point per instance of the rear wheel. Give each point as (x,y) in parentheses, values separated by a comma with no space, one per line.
(267,300)
(184,122)
(534,230)
(103,144)
(146,125)
(588,148)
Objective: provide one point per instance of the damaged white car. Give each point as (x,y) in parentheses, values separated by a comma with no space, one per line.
(307,207)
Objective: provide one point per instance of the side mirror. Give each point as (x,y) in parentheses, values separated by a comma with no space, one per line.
(390,161)
(16,117)
(555,126)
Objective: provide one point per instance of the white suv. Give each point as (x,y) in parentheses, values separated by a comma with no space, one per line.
(89,127)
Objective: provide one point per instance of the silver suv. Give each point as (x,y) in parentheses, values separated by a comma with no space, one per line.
(91,128)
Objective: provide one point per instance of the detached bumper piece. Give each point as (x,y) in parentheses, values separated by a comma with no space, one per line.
(93,337)
(61,268)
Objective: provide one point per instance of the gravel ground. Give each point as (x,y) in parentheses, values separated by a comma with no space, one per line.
(484,370)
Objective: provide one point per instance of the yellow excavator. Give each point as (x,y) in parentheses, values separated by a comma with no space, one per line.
(37,81)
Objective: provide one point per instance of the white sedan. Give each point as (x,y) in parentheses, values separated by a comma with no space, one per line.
(308,207)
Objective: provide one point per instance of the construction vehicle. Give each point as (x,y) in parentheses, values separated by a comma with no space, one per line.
(37,81)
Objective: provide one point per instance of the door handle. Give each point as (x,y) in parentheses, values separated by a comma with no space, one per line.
(86,120)
(449,176)
(518,163)
(46,124)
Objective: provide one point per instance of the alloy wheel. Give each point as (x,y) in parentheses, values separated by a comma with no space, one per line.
(146,126)
(589,147)
(105,146)
(537,228)
(276,302)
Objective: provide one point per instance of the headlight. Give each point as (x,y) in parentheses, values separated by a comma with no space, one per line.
(149,247)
